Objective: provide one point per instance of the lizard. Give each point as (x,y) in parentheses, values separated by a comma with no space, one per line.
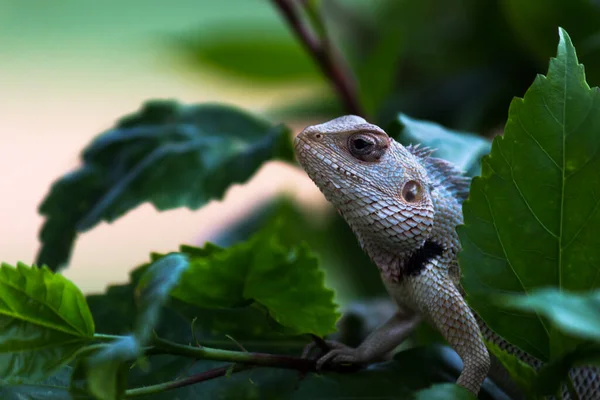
(403,206)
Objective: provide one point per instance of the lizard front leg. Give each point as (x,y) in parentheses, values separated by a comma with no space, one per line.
(438,299)
(380,342)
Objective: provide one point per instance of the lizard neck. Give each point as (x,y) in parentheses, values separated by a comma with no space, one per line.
(395,262)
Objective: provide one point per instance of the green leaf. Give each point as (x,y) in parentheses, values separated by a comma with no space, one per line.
(53,388)
(285,280)
(166,154)
(552,375)
(521,373)
(574,314)
(463,149)
(326,233)
(250,53)
(531,218)
(105,371)
(445,391)
(153,291)
(44,321)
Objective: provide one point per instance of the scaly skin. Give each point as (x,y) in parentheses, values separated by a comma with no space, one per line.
(403,206)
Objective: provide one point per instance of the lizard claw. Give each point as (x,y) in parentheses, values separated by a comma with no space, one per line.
(339,354)
(329,344)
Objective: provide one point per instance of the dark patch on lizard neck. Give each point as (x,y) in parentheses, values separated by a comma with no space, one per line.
(417,260)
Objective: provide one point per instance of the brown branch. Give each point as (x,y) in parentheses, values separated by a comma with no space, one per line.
(190,380)
(322,53)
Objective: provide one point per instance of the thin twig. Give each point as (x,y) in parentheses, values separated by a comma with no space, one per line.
(190,380)
(320,50)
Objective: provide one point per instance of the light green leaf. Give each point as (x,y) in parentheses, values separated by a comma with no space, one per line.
(44,321)
(463,149)
(574,314)
(153,291)
(531,218)
(105,371)
(166,154)
(284,280)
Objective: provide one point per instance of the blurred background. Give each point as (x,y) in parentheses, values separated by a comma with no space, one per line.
(70,69)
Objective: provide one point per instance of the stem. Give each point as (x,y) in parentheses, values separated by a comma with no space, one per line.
(242,360)
(106,338)
(190,380)
(240,357)
(323,54)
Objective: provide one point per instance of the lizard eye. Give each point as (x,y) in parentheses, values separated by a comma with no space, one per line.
(366,147)
(361,144)
(412,191)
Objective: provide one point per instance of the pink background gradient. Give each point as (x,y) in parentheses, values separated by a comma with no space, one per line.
(68,70)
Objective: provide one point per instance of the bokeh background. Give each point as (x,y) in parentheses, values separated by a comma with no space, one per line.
(69,69)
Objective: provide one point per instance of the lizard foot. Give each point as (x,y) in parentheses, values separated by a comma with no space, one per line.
(338,353)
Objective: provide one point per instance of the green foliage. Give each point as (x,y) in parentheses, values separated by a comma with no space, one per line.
(262,270)
(444,391)
(105,369)
(531,218)
(250,53)
(167,154)
(52,388)
(153,290)
(460,148)
(529,222)
(577,315)
(45,321)
(535,23)
(521,373)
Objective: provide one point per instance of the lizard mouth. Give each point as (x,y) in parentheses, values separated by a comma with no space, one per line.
(312,160)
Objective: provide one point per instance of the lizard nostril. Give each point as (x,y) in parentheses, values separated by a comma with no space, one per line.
(318,136)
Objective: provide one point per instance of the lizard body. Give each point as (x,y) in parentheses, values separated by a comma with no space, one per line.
(403,206)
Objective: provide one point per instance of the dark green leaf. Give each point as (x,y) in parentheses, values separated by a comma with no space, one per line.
(463,149)
(167,154)
(552,375)
(44,321)
(574,314)
(531,218)
(55,387)
(348,269)
(521,373)
(536,21)
(444,391)
(285,280)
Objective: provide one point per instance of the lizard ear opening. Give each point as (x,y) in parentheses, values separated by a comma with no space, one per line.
(412,192)
(367,146)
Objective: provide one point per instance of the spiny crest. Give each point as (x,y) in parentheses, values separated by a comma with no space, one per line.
(442,172)
(418,151)
(446,174)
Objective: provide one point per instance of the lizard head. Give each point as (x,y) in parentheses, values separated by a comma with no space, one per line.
(379,186)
